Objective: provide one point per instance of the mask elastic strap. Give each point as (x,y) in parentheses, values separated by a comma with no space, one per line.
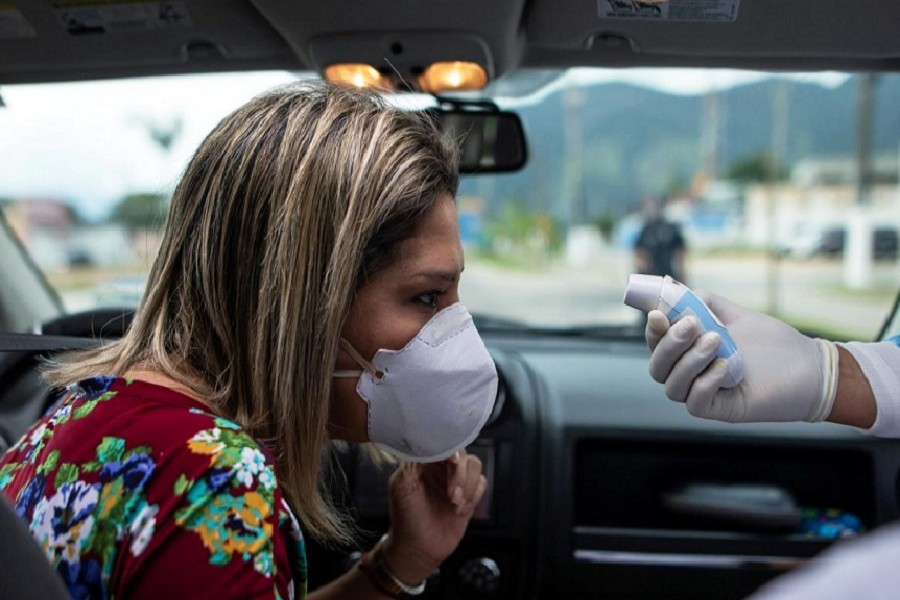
(347,373)
(357,357)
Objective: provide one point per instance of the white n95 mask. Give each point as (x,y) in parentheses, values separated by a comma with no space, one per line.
(432,397)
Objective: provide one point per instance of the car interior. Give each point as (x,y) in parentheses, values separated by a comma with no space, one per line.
(599,487)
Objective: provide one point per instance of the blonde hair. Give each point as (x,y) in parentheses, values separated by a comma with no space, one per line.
(290,204)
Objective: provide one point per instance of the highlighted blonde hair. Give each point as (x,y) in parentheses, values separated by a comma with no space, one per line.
(291,204)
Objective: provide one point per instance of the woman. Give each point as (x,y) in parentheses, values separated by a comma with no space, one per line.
(306,290)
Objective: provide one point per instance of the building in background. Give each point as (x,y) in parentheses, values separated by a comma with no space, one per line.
(56,239)
(816,201)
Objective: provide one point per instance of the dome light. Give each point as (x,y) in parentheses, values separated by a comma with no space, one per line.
(455,76)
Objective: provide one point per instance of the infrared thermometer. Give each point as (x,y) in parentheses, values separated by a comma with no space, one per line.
(676,301)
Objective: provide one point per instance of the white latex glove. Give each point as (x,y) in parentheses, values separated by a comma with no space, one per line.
(787,377)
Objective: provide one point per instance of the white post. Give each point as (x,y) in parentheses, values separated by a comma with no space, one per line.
(858,241)
(858,249)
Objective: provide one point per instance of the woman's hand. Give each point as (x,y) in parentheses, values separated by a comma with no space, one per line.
(431,506)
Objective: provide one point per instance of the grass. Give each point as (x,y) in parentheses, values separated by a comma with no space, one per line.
(876,294)
(728,252)
(508,262)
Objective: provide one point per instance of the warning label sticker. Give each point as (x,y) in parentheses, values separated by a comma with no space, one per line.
(85,17)
(670,10)
(13,24)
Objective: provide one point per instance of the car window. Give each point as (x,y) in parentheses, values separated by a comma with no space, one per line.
(741,183)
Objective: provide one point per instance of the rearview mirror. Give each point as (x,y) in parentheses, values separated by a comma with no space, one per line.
(491,141)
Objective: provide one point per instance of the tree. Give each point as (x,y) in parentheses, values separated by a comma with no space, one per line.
(521,232)
(163,133)
(75,215)
(141,211)
(757,169)
(677,184)
(605,223)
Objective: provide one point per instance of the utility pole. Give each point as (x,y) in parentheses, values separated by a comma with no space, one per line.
(576,209)
(780,107)
(858,242)
(710,134)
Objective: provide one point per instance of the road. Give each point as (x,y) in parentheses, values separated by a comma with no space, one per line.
(810,292)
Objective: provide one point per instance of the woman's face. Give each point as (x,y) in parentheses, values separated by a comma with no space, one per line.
(394,305)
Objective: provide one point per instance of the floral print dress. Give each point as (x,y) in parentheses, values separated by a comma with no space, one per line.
(137,491)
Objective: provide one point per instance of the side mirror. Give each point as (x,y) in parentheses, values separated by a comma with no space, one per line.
(491,141)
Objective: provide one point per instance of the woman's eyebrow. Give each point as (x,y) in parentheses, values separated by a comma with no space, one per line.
(447,275)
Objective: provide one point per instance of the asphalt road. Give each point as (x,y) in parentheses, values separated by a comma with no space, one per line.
(809,293)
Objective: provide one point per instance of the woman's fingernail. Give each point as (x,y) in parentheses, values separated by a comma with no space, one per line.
(454,458)
(457,496)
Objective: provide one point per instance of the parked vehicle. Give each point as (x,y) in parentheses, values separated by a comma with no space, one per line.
(884,242)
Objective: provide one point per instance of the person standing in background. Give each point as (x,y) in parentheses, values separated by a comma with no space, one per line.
(659,248)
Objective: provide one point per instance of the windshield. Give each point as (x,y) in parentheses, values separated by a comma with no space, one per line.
(742,183)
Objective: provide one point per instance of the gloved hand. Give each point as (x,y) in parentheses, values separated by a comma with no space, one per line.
(787,376)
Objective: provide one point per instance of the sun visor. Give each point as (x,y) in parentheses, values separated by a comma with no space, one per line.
(87,39)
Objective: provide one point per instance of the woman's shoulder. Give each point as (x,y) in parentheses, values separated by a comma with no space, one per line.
(177,427)
(107,424)
(143,410)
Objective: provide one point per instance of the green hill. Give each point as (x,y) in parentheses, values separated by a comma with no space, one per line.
(638,141)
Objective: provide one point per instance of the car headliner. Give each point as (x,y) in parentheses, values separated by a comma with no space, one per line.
(229,35)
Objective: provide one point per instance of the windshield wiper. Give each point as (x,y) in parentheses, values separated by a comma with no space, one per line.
(495,323)
(891,318)
(606,332)
(506,325)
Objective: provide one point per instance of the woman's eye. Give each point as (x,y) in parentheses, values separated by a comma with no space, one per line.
(429,299)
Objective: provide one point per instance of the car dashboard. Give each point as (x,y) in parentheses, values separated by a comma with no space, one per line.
(593,478)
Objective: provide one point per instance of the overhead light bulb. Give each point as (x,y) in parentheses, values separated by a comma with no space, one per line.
(357,75)
(453,76)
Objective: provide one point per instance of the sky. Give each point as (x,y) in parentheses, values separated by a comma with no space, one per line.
(695,81)
(87,142)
